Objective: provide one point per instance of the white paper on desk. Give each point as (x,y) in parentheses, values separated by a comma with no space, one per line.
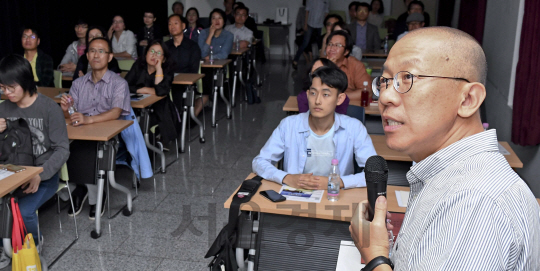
(503,150)
(142,96)
(349,257)
(5,173)
(301,194)
(402,198)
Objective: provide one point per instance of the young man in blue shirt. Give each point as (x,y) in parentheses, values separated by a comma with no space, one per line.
(308,142)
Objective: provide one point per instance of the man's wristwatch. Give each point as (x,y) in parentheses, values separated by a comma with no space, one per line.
(376,262)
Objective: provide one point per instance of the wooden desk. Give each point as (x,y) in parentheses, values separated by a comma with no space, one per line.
(148,101)
(379,142)
(187,78)
(376,53)
(12,182)
(292,106)
(348,199)
(102,131)
(67,78)
(218,63)
(239,52)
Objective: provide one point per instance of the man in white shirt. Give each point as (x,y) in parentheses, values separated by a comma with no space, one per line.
(467,208)
(238,29)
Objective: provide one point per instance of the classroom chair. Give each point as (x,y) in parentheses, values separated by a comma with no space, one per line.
(57,79)
(265,38)
(125,64)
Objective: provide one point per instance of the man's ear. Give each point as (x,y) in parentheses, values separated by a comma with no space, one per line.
(110,57)
(38,41)
(472,97)
(341,98)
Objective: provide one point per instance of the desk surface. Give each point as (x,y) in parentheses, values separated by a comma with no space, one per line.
(239,52)
(12,182)
(146,102)
(379,142)
(218,63)
(274,25)
(102,131)
(376,53)
(67,78)
(187,78)
(292,106)
(323,210)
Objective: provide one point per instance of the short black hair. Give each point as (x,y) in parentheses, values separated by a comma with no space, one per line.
(182,18)
(381,9)
(335,16)
(106,41)
(343,26)
(149,11)
(415,2)
(332,77)
(221,13)
(81,21)
(15,69)
(177,3)
(33,29)
(355,4)
(242,6)
(363,5)
(348,40)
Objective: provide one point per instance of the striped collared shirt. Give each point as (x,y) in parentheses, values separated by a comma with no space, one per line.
(96,98)
(468,210)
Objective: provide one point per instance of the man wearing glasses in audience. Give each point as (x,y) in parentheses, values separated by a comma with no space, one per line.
(98,96)
(338,48)
(42,64)
(467,209)
(238,29)
(365,35)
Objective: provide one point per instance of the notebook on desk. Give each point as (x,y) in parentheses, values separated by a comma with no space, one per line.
(138,97)
(5,173)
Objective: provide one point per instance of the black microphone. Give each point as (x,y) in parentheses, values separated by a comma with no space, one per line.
(376,172)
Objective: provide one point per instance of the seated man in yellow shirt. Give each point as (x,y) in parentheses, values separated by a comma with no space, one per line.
(42,64)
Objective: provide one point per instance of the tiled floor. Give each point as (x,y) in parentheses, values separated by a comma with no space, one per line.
(177,215)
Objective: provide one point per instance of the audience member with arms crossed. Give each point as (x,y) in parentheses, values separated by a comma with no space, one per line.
(467,209)
(308,142)
(100,95)
(49,136)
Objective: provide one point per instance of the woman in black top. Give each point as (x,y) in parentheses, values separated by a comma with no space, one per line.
(82,65)
(153,74)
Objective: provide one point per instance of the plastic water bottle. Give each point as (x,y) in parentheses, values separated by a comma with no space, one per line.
(236,43)
(72,109)
(211,55)
(333,181)
(386,45)
(364,98)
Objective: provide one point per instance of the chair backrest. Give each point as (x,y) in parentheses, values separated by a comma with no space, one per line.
(357,112)
(125,64)
(204,21)
(383,32)
(57,79)
(199,82)
(166,38)
(266,35)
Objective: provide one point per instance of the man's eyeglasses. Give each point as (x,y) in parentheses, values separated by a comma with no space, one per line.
(337,45)
(403,82)
(29,37)
(98,51)
(154,53)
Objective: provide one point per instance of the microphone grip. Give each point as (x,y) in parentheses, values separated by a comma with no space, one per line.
(374,190)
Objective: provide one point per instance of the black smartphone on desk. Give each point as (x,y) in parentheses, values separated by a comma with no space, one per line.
(272,195)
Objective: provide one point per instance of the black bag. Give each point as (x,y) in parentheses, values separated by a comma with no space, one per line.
(16,144)
(223,247)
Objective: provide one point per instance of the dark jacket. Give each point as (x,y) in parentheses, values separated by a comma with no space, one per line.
(373,40)
(165,113)
(44,69)
(82,65)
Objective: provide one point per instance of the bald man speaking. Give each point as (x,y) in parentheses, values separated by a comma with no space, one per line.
(467,209)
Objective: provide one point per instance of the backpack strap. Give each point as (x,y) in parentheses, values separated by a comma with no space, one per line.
(244,194)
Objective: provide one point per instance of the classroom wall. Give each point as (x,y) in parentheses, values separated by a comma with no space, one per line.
(503,20)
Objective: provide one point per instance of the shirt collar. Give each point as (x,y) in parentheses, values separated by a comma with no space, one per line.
(106,77)
(467,147)
(345,62)
(305,122)
(35,57)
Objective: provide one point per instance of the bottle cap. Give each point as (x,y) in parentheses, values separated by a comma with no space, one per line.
(365,83)
(334,161)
